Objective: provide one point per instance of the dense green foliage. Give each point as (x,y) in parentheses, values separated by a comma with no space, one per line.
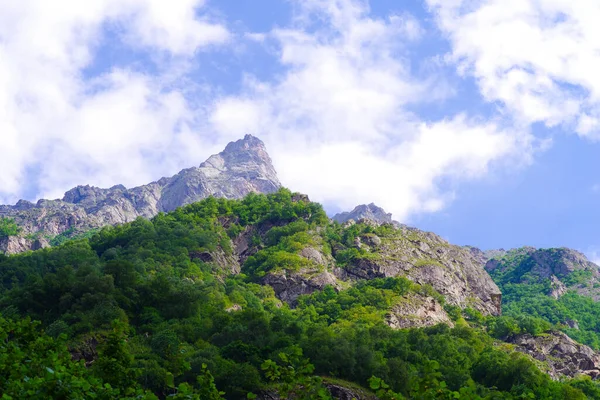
(154,317)
(8,227)
(71,234)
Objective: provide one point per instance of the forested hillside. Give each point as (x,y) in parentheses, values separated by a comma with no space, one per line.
(222,299)
(557,285)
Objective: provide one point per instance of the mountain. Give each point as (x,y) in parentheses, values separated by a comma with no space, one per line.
(365,211)
(232,282)
(243,167)
(265,297)
(562,269)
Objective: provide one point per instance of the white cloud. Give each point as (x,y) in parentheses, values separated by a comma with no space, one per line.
(593,254)
(104,131)
(337,124)
(174,26)
(335,119)
(539,58)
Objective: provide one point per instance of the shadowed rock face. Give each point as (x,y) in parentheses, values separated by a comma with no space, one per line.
(243,167)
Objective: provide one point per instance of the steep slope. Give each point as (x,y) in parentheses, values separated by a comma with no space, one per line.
(243,167)
(560,269)
(399,250)
(340,255)
(424,258)
(192,300)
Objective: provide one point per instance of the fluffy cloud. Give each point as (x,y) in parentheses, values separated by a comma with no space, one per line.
(105,130)
(539,58)
(337,123)
(336,117)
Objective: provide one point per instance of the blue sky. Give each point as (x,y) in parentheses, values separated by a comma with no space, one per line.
(477,120)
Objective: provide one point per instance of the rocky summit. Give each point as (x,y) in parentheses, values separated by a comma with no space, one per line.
(365,211)
(243,167)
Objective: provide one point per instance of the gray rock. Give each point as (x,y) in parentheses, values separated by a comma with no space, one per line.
(426,258)
(288,286)
(243,167)
(561,356)
(16,244)
(313,255)
(371,240)
(417,311)
(557,288)
(572,324)
(365,211)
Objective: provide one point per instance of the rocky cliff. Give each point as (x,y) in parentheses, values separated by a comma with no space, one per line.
(243,167)
(426,259)
(381,251)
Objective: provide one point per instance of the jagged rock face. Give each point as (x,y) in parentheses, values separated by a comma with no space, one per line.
(483,256)
(288,286)
(565,268)
(224,263)
(13,244)
(243,167)
(417,311)
(561,355)
(425,258)
(365,211)
(557,288)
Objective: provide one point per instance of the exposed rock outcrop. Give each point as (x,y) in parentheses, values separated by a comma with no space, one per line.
(288,286)
(560,355)
(557,288)
(17,244)
(367,212)
(224,263)
(417,311)
(243,167)
(426,258)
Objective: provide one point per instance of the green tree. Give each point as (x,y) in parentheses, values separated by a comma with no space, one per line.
(115,360)
(8,227)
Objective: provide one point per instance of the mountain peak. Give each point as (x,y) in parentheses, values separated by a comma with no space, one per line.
(247,158)
(248,144)
(365,211)
(244,166)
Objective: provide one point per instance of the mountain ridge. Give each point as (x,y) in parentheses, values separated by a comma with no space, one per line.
(244,166)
